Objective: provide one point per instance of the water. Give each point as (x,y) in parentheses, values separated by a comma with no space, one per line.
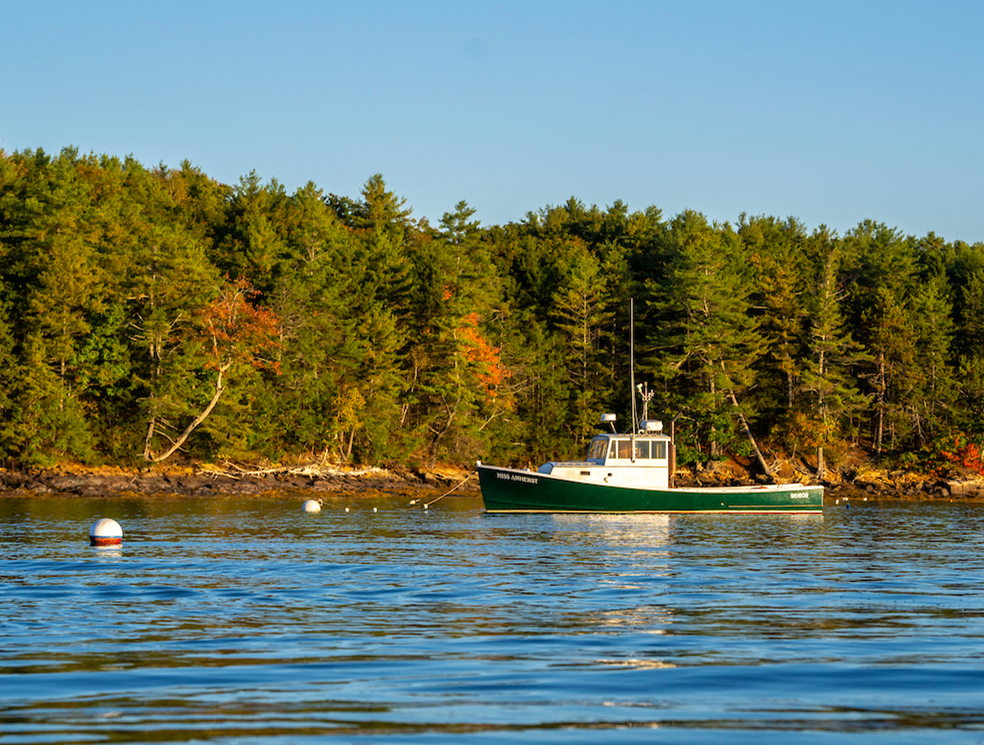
(246,620)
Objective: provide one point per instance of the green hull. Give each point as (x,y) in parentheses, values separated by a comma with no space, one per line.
(510,490)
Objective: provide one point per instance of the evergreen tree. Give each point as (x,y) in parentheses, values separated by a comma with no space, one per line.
(776,252)
(828,380)
(250,246)
(378,283)
(316,337)
(169,281)
(891,338)
(456,389)
(932,398)
(53,263)
(230,331)
(886,278)
(539,377)
(580,311)
(8,364)
(971,364)
(712,340)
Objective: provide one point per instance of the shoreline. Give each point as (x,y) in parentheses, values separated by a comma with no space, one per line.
(187,481)
(208,480)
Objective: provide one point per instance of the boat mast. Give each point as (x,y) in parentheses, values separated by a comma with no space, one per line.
(632,388)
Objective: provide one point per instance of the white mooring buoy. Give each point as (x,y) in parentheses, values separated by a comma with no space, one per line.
(105,532)
(312,505)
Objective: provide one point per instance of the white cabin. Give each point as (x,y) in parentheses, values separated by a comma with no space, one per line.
(640,460)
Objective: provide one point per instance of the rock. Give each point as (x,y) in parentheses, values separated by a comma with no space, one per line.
(964,488)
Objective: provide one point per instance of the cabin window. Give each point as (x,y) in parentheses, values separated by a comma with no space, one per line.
(597,451)
(659,450)
(625,449)
(642,449)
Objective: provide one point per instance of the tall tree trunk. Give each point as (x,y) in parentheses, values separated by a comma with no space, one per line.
(148,440)
(882,385)
(219,389)
(715,447)
(748,434)
(348,447)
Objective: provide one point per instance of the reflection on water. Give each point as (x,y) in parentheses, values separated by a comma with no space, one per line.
(650,530)
(246,619)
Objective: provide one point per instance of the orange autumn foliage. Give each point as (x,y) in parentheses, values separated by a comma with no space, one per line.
(237,331)
(490,370)
(966,453)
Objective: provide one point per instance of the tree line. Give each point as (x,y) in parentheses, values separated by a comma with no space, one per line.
(148,314)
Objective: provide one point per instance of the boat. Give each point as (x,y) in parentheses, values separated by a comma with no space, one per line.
(631,472)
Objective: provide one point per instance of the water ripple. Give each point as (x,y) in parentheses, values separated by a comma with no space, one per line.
(245,620)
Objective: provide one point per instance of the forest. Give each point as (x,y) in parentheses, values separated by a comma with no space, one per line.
(155,314)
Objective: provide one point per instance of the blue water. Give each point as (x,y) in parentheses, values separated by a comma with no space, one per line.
(245,620)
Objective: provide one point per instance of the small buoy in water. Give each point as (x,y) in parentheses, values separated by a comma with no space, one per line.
(374,509)
(346,509)
(105,532)
(312,505)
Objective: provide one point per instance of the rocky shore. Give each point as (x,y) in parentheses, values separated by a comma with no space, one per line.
(208,480)
(204,481)
(860,481)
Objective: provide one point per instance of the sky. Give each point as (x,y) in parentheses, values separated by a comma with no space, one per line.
(830,112)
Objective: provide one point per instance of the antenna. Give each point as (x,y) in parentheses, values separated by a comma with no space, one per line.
(635,420)
(646,396)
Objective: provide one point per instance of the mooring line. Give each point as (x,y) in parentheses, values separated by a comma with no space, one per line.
(460,483)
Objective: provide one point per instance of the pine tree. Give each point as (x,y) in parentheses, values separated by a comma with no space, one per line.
(886,278)
(300,409)
(931,401)
(53,264)
(712,339)
(456,389)
(250,246)
(8,365)
(580,311)
(971,364)
(377,269)
(833,393)
(776,252)
(891,339)
(169,280)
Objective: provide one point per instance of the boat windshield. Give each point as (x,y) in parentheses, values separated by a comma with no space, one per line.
(598,447)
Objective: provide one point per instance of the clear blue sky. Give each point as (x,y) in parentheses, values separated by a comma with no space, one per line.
(831,112)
